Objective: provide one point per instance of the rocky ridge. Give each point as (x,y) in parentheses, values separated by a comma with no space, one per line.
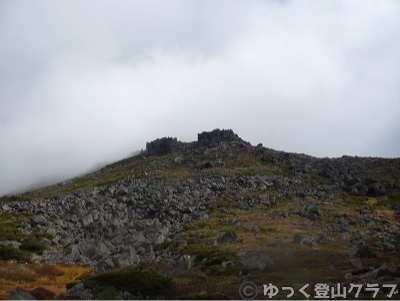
(134,219)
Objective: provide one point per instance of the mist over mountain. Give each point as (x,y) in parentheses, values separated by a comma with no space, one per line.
(83,83)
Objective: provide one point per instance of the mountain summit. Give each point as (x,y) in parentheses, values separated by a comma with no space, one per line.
(204,215)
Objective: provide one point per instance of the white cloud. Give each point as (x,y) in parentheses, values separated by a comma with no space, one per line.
(90,82)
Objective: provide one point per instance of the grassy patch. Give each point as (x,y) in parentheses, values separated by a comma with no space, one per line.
(176,175)
(110,174)
(212,255)
(10,227)
(147,281)
(353,201)
(10,230)
(108,293)
(320,179)
(392,199)
(41,280)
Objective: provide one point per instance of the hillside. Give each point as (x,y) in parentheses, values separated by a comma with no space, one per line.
(194,220)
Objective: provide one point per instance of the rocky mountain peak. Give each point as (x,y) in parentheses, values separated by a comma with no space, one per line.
(216,137)
(163,146)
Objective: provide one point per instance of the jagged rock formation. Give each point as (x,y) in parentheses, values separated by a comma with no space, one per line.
(218,137)
(163,146)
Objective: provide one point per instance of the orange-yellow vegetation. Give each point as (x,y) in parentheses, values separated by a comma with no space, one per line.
(51,278)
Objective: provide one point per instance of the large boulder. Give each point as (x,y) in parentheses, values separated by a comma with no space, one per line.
(376,189)
(156,233)
(361,251)
(126,258)
(199,215)
(20,294)
(228,237)
(256,261)
(77,292)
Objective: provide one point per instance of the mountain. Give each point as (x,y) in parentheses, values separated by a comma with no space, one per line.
(194,220)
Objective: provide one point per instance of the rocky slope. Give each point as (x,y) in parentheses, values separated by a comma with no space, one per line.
(175,200)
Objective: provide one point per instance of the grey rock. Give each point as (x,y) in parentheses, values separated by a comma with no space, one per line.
(362,251)
(77,292)
(105,265)
(372,275)
(125,259)
(135,238)
(236,221)
(186,262)
(228,237)
(6,208)
(87,220)
(51,231)
(256,261)
(155,233)
(181,244)
(312,216)
(309,241)
(253,228)
(38,220)
(95,215)
(73,254)
(94,249)
(199,215)
(345,235)
(363,190)
(376,189)
(285,214)
(20,294)
(305,240)
(389,247)
(222,210)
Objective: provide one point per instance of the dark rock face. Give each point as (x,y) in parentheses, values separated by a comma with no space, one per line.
(218,136)
(376,189)
(163,146)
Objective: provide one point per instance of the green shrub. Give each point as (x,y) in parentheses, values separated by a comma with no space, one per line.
(108,293)
(8,253)
(33,246)
(144,280)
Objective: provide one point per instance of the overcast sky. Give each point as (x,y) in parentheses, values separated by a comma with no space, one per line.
(87,82)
